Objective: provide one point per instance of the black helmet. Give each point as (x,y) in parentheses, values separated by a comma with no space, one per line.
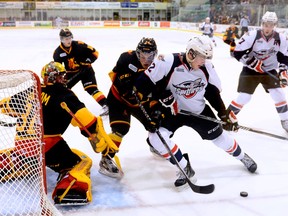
(146,45)
(65,33)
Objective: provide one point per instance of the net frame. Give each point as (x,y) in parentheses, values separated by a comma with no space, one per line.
(22,159)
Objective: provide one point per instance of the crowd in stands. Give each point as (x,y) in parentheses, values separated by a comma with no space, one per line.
(225,12)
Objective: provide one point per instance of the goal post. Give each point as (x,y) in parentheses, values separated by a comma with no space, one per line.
(22,161)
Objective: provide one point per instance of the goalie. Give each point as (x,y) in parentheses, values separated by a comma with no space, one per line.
(73,166)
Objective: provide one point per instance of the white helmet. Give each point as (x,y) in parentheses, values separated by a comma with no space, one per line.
(199,45)
(270,17)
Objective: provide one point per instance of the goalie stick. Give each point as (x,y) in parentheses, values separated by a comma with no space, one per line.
(184,112)
(205,189)
(117,161)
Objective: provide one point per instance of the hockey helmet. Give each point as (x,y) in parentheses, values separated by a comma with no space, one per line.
(51,71)
(207,19)
(147,45)
(65,33)
(199,45)
(270,17)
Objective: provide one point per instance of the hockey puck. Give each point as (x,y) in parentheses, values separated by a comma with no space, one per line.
(243,194)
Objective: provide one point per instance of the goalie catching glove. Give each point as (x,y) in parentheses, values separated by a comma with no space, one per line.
(253,63)
(283,75)
(230,120)
(100,140)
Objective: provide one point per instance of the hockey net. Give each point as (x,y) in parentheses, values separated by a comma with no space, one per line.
(22,167)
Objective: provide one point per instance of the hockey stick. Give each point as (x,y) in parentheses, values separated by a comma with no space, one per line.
(117,161)
(206,189)
(73,77)
(275,77)
(184,112)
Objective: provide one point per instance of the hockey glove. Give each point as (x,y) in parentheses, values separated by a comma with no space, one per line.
(253,63)
(283,75)
(230,120)
(156,118)
(168,101)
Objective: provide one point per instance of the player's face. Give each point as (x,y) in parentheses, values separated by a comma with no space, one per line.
(267,28)
(146,59)
(66,41)
(197,62)
(61,78)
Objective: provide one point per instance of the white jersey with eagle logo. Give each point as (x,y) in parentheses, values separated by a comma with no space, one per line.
(262,48)
(187,85)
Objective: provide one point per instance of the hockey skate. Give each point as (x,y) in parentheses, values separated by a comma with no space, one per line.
(109,168)
(181,180)
(249,163)
(284,124)
(105,111)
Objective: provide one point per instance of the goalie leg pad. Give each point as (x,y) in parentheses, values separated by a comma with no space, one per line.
(13,165)
(75,185)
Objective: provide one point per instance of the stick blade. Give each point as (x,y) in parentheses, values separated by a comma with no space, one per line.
(206,189)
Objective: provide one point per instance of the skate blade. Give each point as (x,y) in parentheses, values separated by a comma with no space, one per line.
(118,175)
(72,202)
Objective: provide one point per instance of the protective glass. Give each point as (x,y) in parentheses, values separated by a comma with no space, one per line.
(146,57)
(66,39)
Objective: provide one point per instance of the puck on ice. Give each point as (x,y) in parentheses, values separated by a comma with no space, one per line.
(243,194)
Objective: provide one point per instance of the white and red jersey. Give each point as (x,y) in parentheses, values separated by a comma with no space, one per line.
(271,51)
(207,28)
(187,85)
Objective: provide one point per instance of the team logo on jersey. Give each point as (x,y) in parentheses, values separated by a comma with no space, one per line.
(189,89)
(161,57)
(63,54)
(264,53)
(132,67)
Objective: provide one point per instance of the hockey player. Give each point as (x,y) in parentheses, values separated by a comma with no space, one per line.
(192,80)
(123,104)
(261,52)
(244,23)
(207,28)
(78,58)
(73,166)
(231,33)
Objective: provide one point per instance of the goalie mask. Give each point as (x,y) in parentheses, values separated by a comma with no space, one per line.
(53,72)
(200,46)
(146,51)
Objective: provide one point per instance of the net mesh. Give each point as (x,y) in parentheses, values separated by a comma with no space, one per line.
(22,174)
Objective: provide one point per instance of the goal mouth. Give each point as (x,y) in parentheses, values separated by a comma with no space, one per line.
(22,161)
